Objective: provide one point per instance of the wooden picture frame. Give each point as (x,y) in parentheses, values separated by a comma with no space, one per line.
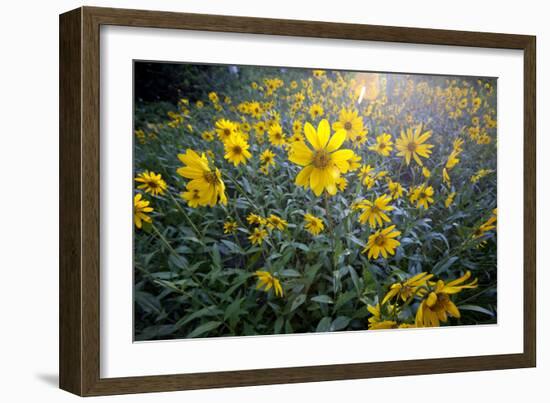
(79,200)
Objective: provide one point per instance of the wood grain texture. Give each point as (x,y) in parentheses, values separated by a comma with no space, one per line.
(80,196)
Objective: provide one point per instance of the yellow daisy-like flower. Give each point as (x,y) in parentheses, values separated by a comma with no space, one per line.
(225,128)
(395,189)
(255,109)
(374,212)
(236,149)
(268,157)
(446,177)
(206,181)
(325,162)
(276,135)
(230,227)
(352,123)
(315,111)
(151,182)
(412,145)
(274,221)
(408,288)
(297,126)
(314,225)
(267,281)
(192,197)
(258,236)
(382,242)
(452,160)
(384,144)
(255,219)
(450,199)
(341,183)
(141,208)
(213,97)
(376,322)
(208,136)
(422,196)
(487,226)
(260,128)
(437,305)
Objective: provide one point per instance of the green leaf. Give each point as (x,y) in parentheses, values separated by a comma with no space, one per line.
(208,311)
(476,308)
(207,327)
(324,324)
(443,265)
(341,322)
(297,302)
(323,299)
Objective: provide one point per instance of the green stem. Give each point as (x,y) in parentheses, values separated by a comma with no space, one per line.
(182,211)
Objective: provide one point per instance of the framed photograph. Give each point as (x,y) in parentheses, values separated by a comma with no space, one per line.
(250,201)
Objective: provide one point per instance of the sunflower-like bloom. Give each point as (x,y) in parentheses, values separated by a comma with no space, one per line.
(382,242)
(141,208)
(151,182)
(274,221)
(384,144)
(236,149)
(437,305)
(486,226)
(374,212)
(411,144)
(314,225)
(266,280)
(230,227)
(258,236)
(352,123)
(395,189)
(205,181)
(316,111)
(276,135)
(376,322)
(192,197)
(325,162)
(422,196)
(408,288)
(268,158)
(255,219)
(225,128)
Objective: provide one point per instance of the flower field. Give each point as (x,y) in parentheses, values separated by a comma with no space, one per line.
(276,201)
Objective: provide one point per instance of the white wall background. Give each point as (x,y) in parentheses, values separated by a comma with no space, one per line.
(29,198)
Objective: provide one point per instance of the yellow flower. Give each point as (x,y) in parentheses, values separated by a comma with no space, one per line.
(411,145)
(141,208)
(352,123)
(208,183)
(151,182)
(341,183)
(376,322)
(422,196)
(437,304)
(268,157)
(213,97)
(384,144)
(208,136)
(313,224)
(267,281)
(230,227)
(192,197)
(325,163)
(260,128)
(258,236)
(450,199)
(374,212)
(408,288)
(395,189)
(315,111)
(199,104)
(276,135)
(382,242)
(255,109)
(236,149)
(446,177)
(255,219)
(426,172)
(480,174)
(225,128)
(274,221)
(452,160)
(297,126)
(486,226)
